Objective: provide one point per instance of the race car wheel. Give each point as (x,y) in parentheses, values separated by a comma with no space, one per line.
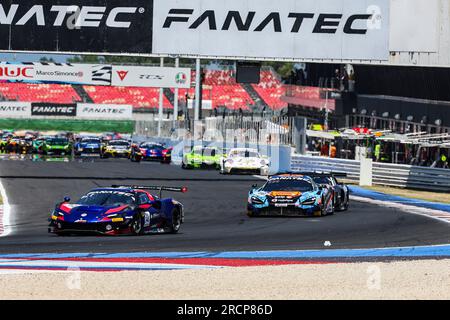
(175,225)
(135,159)
(323,210)
(185,166)
(347,202)
(166,161)
(137,225)
(332,208)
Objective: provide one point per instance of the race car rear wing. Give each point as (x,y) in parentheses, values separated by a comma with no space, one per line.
(154,188)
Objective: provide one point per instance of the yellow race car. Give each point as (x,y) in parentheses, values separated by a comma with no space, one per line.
(116,149)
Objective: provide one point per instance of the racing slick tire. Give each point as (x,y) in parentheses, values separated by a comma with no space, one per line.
(324,210)
(137,225)
(135,159)
(175,224)
(347,203)
(186,166)
(333,210)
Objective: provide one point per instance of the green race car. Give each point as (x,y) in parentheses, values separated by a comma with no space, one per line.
(202,157)
(39,141)
(58,146)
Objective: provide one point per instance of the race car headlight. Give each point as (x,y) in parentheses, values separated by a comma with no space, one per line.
(256,200)
(309,202)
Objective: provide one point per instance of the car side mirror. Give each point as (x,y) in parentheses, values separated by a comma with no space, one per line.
(254,186)
(66,199)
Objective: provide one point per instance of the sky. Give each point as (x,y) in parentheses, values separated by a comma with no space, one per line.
(26,57)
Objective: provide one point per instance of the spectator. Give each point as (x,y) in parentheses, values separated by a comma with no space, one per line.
(324,151)
(377,153)
(333,151)
(345,79)
(337,79)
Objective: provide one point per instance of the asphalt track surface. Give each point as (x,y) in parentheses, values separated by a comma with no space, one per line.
(215,213)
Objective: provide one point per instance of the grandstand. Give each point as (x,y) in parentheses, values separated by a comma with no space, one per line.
(219,87)
(270,89)
(26,92)
(140,98)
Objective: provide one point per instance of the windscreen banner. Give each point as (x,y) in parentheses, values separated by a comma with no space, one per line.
(291,29)
(156,77)
(84,74)
(104,111)
(91,26)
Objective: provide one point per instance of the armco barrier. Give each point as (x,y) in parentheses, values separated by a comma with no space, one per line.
(304,163)
(387,174)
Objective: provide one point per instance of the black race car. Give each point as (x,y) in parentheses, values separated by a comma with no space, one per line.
(340,190)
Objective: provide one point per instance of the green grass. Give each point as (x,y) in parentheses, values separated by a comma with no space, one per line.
(94,126)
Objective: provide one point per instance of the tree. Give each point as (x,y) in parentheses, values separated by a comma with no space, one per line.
(46,60)
(284,69)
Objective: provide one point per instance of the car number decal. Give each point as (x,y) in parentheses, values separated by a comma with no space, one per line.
(147,218)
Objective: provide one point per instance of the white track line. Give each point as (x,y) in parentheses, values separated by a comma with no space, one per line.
(42,264)
(5,226)
(429,213)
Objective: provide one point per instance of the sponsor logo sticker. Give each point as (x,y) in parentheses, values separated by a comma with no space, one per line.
(181,78)
(122,74)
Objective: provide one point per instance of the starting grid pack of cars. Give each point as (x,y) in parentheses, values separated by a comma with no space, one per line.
(140,210)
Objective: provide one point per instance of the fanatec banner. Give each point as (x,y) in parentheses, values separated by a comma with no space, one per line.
(104,111)
(54,109)
(87,74)
(240,29)
(115,26)
(84,111)
(13,109)
(302,29)
(155,77)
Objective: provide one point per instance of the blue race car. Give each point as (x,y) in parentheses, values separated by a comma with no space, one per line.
(119,210)
(290,195)
(156,152)
(88,146)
